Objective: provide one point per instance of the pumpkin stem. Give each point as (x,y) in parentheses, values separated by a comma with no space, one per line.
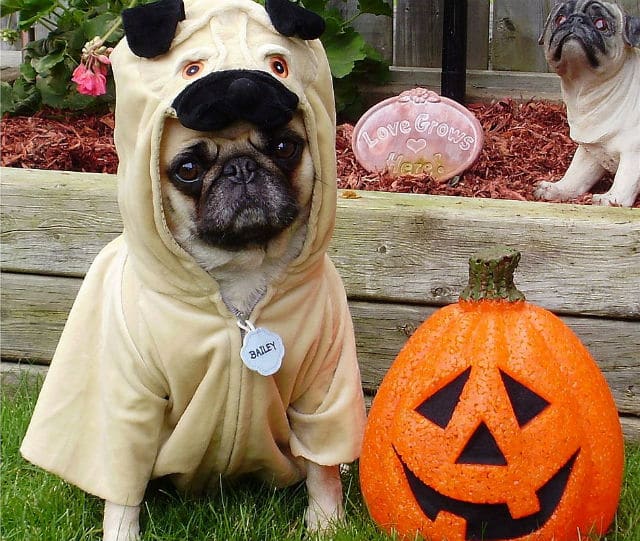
(491,276)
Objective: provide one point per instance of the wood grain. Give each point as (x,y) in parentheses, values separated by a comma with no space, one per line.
(517,26)
(56,222)
(400,256)
(418,33)
(577,260)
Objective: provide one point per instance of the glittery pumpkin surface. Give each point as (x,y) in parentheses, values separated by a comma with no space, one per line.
(497,418)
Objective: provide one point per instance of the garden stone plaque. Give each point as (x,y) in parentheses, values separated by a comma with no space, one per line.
(418,132)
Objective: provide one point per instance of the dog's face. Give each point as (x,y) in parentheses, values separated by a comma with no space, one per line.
(235,189)
(588,36)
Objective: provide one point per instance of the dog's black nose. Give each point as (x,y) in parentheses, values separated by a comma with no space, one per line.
(240,170)
(576,20)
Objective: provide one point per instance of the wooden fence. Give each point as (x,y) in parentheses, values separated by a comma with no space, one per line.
(502,34)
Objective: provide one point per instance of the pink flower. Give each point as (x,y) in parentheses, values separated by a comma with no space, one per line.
(89,82)
(91,75)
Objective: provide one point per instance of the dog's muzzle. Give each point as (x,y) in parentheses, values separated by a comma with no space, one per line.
(579,27)
(224,97)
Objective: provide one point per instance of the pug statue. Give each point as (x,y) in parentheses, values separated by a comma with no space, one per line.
(593,47)
(212,338)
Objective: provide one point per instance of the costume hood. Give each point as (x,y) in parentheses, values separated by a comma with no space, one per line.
(225,35)
(147,380)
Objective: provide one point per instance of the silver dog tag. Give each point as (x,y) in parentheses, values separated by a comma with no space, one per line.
(262,350)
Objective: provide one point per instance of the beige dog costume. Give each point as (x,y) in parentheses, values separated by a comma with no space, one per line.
(147,379)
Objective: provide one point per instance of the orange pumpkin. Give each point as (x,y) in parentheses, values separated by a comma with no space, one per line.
(494,422)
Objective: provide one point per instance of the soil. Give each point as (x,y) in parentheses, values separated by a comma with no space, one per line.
(524,144)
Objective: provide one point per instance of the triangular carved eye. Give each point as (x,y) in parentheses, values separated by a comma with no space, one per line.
(439,407)
(525,403)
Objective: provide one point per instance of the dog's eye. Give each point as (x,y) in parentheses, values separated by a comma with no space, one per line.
(192,69)
(188,171)
(279,66)
(560,19)
(601,24)
(285,149)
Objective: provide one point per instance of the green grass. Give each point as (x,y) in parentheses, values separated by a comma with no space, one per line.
(36,506)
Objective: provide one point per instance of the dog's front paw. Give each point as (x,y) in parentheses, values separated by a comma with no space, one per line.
(325,511)
(121,522)
(549,191)
(323,517)
(609,200)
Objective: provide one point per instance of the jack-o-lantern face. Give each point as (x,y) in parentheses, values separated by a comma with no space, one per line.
(487,520)
(493,423)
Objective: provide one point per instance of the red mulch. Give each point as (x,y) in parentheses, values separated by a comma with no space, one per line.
(59,141)
(524,144)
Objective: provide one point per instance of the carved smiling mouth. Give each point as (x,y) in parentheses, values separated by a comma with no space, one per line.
(492,521)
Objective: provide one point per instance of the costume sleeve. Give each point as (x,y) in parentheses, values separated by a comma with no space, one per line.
(327,421)
(97,420)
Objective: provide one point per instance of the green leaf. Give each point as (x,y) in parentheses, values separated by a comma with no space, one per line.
(97,26)
(71,20)
(53,92)
(375,7)
(26,99)
(32,11)
(7,7)
(6,98)
(343,51)
(317,6)
(27,71)
(75,100)
(44,64)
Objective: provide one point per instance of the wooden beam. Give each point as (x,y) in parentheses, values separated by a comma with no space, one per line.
(56,222)
(577,260)
(35,308)
(482,85)
(401,256)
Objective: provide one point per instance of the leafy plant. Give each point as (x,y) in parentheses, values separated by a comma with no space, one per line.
(45,74)
(353,61)
(49,63)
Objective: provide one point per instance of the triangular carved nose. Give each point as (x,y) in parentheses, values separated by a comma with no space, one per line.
(482,448)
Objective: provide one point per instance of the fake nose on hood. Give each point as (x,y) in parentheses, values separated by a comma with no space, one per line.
(221,98)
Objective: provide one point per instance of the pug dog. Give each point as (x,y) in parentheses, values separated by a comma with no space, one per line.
(213,337)
(593,46)
(238,201)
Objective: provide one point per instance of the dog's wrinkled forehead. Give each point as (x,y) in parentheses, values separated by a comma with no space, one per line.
(591,8)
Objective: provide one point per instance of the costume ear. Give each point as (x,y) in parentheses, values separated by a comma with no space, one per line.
(632,31)
(291,19)
(150,28)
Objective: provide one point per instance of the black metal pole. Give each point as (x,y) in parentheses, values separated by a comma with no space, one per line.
(454,50)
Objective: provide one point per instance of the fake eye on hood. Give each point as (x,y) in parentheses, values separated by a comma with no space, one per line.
(601,24)
(279,67)
(192,69)
(560,19)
